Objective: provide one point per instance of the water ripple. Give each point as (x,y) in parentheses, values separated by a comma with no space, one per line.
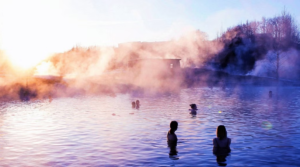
(106,131)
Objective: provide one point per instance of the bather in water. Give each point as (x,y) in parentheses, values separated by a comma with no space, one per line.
(193,109)
(137,104)
(133,104)
(172,138)
(221,145)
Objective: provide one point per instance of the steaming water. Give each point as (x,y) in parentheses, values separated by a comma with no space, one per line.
(104,130)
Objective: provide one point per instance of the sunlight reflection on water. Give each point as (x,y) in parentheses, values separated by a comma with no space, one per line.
(104,130)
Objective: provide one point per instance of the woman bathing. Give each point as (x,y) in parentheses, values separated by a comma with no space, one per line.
(222,141)
(221,145)
(172,138)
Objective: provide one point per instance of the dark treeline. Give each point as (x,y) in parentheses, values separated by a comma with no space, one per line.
(247,43)
(282,30)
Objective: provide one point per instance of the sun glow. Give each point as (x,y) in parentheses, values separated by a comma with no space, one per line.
(25,58)
(31,31)
(24,47)
(46,68)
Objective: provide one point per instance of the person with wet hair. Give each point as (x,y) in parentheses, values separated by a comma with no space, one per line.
(270,94)
(222,141)
(221,145)
(133,104)
(137,104)
(193,109)
(172,138)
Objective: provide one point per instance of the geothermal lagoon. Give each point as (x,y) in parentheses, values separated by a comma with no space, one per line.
(71,70)
(103,130)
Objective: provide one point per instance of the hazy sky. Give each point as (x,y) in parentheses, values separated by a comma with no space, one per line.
(57,25)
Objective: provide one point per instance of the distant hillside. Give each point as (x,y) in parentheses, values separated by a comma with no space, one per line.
(252,48)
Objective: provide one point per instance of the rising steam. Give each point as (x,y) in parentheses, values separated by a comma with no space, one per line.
(253,48)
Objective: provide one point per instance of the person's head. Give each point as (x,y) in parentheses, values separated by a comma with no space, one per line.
(221,132)
(133,104)
(173,126)
(137,102)
(193,106)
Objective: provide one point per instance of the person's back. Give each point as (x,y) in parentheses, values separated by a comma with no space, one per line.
(221,145)
(222,141)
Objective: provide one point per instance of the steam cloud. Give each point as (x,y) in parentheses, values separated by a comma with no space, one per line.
(247,49)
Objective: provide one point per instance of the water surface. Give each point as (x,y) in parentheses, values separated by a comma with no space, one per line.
(106,131)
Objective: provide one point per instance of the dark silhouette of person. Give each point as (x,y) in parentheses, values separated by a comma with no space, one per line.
(193,109)
(137,104)
(221,145)
(270,94)
(133,104)
(25,94)
(172,138)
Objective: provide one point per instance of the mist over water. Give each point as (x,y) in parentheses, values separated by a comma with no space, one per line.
(250,49)
(74,107)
